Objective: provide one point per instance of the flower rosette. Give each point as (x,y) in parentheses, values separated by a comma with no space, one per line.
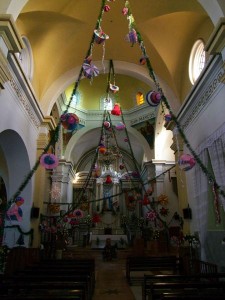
(151,215)
(163,200)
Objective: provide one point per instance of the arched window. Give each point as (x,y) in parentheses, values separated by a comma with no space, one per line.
(26,58)
(197,60)
(106,103)
(139,98)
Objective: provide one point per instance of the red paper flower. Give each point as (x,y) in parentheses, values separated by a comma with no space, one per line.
(164,211)
(96,218)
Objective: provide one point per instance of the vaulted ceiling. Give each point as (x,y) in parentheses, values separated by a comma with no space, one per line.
(60,33)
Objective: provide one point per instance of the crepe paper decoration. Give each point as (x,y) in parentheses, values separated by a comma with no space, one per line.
(125,11)
(54,208)
(84,206)
(143,60)
(116,110)
(216,204)
(108,179)
(49,161)
(90,70)
(153,98)
(121,166)
(113,88)
(106,8)
(120,126)
(135,174)
(164,211)
(145,201)
(78,213)
(102,149)
(96,218)
(167,117)
(106,124)
(186,162)
(163,199)
(151,215)
(69,121)
(131,37)
(88,59)
(100,36)
(149,191)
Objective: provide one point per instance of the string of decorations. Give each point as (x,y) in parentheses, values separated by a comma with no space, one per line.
(135,37)
(55,135)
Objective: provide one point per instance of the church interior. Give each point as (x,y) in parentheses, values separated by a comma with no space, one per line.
(109,167)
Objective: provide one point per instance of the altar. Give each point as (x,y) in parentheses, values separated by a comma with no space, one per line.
(98,240)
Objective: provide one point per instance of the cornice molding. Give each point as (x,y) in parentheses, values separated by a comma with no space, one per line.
(216,42)
(9,33)
(203,92)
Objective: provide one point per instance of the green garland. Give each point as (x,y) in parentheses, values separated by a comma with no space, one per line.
(208,174)
(55,135)
(30,232)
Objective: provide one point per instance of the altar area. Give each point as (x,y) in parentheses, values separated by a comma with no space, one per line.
(97,241)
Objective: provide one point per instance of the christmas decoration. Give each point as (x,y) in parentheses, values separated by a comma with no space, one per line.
(106,8)
(163,200)
(78,213)
(49,161)
(186,162)
(120,126)
(167,117)
(108,179)
(153,98)
(131,37)
(69,121)
(90,70)
(151,215)
(114,88)
(102,149)
(100,36)
(164,211)
(142,60)
(116,110)
(107,124)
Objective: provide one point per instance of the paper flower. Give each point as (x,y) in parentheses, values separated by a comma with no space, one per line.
(186,162)
(49,161)
(153,98)
(78,213)
(151,215)
(164,211)
(163,200)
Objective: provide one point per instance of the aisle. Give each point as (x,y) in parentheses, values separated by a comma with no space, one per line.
(111,282)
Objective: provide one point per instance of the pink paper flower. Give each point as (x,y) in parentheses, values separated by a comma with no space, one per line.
(151,215)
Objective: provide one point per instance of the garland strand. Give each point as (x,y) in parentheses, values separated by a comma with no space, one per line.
(209,175)
(55,135)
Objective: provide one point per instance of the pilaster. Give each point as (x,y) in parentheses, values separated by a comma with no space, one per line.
(42,177)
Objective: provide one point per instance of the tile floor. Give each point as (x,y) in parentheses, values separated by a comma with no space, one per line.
(111,282)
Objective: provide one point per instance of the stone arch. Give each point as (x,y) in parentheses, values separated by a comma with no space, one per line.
(120,67)
(74,141)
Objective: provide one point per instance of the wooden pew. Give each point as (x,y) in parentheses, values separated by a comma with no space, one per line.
(148,279)
(182,296)
(192,288)
(150,263)
(45,290)
(76,278)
